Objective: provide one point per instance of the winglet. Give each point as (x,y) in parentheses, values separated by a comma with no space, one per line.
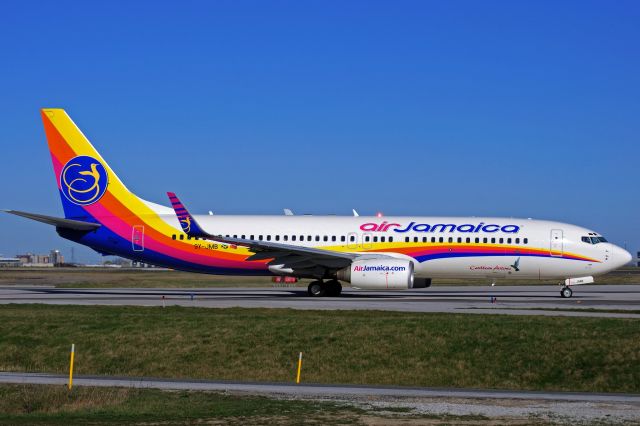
(188,223)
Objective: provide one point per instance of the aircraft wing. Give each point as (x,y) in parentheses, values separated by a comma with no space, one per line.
(304,260)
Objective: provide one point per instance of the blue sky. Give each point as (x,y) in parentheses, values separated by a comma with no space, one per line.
(525,109)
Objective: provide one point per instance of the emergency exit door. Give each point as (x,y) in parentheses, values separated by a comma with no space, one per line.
(137,238)
(557,246)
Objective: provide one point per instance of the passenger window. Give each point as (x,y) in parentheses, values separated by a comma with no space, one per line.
(382,239)
(406,239)
(459,239)
(277,237)
(390,239)
(493,241)
(293,238)
(508,240)
(260,237)
(317,237)
(343,238)
(268,237)
(501,240)
(477,240)
(450,239)
(235,236)
(286,238)
(325,238)
(415,239)
(526,241)
(173,237)
(188,237)
(441,239)
(333,238)
(242,236)
(251,237)
(366,239)
(352,238)
(468,240)
(375,239)
(424,239)
(308,237)
(433,239)
(517,240)
(181,237)
(484,240)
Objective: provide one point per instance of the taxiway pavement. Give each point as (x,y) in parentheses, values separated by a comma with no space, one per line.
(622,301)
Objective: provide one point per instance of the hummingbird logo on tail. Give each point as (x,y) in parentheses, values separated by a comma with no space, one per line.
(516,265)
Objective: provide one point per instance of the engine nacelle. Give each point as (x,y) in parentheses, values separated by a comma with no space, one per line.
(379,274)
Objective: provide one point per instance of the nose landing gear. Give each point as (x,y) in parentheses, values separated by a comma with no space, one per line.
(566,292)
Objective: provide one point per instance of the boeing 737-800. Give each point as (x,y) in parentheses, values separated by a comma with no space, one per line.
(372,253)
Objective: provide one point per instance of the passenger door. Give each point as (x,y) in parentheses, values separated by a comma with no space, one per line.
(137,238)
(557,246)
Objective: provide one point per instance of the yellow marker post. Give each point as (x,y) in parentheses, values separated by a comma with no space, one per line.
(73,347)
(299,368)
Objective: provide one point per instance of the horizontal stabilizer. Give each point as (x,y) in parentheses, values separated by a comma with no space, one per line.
(58,222)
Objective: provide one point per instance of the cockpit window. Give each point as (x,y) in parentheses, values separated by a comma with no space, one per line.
(593,240)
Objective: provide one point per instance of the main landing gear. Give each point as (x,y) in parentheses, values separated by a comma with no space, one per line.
(566,292)
(331,288)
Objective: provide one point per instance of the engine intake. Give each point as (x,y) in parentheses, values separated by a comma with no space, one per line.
(379,274)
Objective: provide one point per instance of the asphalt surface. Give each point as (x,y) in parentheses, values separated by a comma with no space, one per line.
(311,390)
(589,300)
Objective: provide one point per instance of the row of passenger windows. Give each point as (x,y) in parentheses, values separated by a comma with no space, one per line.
(460,240)
(375,239)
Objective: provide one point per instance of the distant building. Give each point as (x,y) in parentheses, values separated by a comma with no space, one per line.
(9,262)
(41,260)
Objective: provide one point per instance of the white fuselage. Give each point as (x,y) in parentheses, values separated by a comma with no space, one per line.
(439,247)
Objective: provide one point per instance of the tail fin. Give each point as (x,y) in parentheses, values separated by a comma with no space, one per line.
(83,177)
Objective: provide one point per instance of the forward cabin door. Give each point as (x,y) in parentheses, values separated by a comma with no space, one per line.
(557,246)
(137,238)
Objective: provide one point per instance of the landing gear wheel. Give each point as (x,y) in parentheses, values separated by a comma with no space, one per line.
(334,288)
(316,289)
(566,292)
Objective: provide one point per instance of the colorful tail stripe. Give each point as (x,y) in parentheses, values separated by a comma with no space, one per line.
(188,223)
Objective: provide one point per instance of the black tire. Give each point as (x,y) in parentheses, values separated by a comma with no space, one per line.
(566,292)
(334,288)
(316,289)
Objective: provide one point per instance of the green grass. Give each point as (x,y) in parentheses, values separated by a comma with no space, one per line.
(357,347)
(33,404)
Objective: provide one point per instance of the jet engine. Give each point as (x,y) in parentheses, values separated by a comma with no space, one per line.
(379,274)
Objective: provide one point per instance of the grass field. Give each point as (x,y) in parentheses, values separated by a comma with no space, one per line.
(30,404)
(357,347)
(55,405)
(140,278)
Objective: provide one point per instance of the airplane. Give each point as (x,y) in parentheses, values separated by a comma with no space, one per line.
(370,253)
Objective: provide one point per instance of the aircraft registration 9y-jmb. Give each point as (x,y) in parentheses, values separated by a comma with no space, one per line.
(371,253)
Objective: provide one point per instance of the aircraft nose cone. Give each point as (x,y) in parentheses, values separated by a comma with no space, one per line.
(621,256)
